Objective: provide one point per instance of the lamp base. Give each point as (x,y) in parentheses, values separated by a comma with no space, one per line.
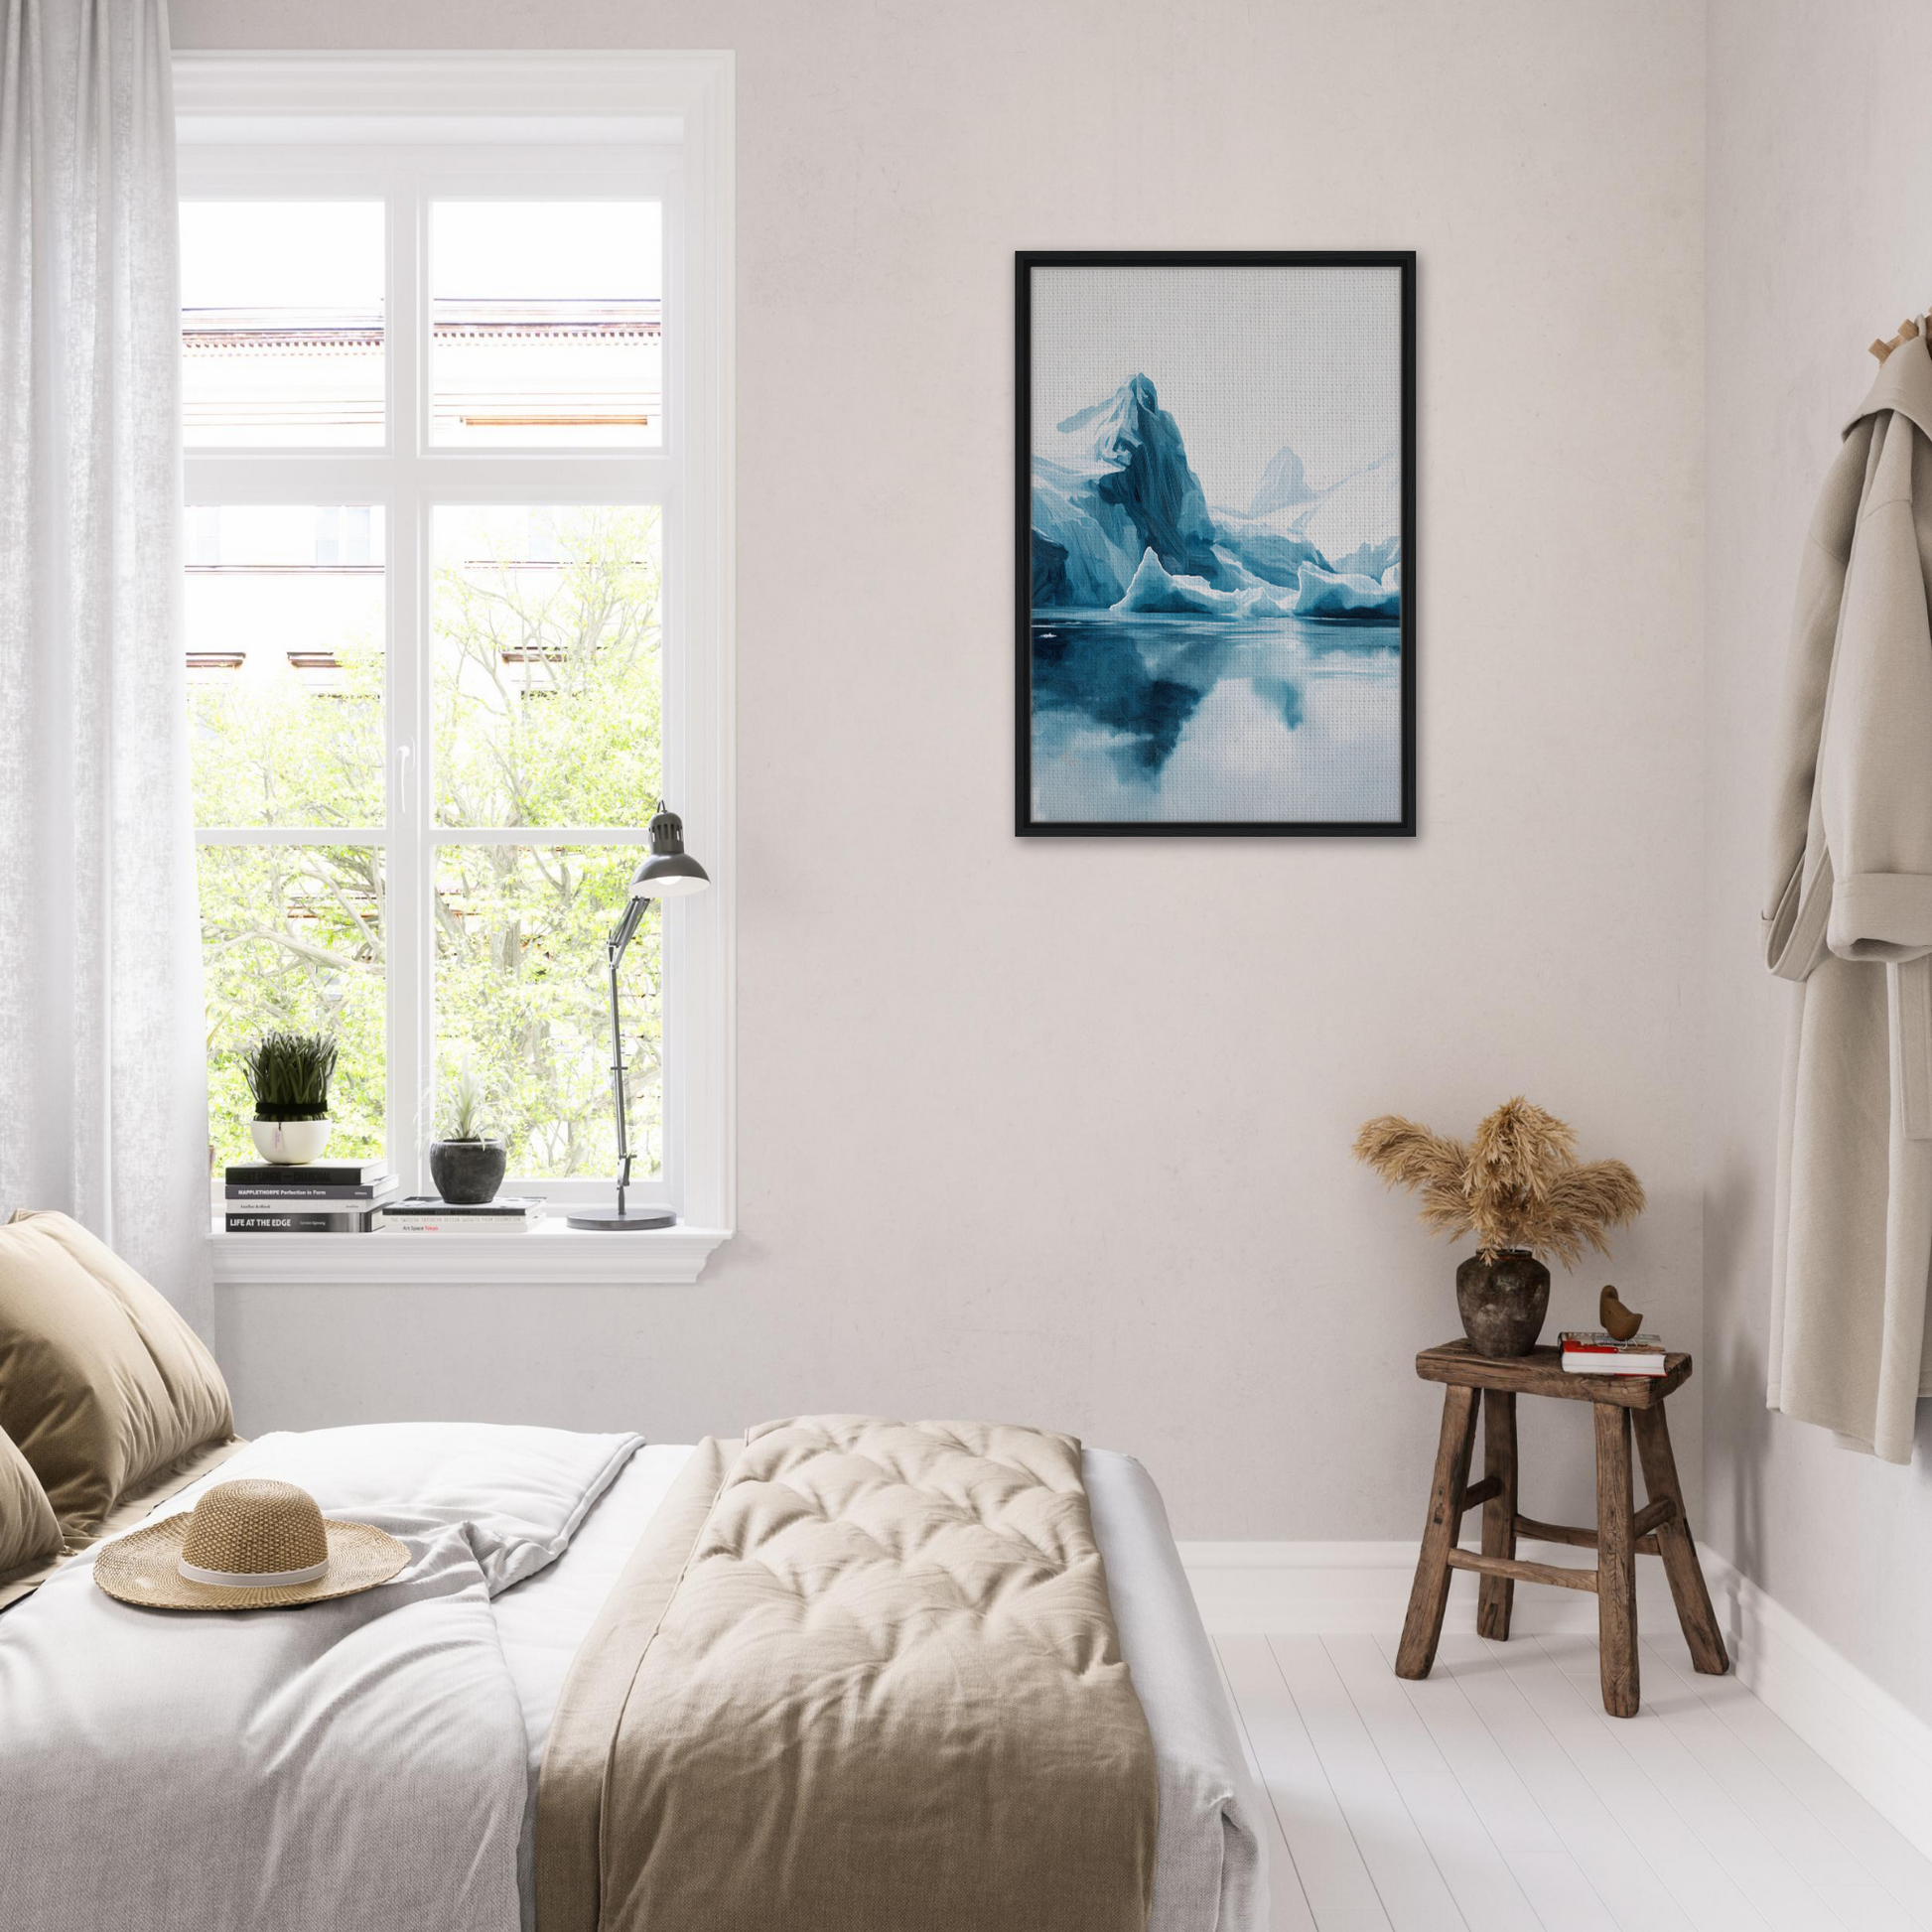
(612,1220)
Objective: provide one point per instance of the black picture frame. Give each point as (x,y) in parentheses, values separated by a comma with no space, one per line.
(1026,261)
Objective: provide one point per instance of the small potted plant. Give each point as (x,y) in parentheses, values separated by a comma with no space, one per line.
(468,1162)
(1520,1190)
(289,1075)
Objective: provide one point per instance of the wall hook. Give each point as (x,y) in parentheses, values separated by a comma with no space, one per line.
(1907,332)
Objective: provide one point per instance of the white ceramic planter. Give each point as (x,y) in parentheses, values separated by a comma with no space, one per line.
(289,1143)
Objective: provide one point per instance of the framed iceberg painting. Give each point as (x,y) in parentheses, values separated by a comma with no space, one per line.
(1216,540)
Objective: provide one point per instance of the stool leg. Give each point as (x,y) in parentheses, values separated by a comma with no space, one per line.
(1423,1630)
(1616,1561)
(1496,1595)
(1677,1547)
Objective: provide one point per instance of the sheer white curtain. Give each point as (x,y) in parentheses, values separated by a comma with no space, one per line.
(102,1069)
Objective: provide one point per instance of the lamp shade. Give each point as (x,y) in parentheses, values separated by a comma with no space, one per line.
(670,872)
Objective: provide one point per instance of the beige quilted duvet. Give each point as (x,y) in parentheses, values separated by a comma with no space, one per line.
(860,1676)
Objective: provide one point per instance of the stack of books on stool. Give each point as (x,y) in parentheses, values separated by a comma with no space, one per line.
(1596,1352)
(425,1214)
(318,1197)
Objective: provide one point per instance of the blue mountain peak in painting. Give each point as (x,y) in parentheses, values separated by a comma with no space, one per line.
(1284,484)
(1112,490)
(1122,464)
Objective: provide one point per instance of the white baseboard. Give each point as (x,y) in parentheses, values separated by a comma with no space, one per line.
(1879,1747)
(1883,1749)
(1345,1588)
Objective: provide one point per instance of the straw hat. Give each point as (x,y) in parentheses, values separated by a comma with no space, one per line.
(249,1545)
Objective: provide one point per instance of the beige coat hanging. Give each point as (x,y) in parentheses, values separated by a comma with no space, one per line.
(1850,920)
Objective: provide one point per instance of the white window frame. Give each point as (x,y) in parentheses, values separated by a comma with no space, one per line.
(405,127)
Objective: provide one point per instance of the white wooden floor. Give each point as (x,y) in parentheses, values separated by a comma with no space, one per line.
(1497,1796)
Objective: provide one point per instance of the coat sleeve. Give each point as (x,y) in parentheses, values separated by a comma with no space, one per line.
(1798,902)
(1874,767)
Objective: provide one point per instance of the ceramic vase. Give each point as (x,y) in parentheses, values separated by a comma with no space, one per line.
(467,1174)
(1503,1300)
(290,1143)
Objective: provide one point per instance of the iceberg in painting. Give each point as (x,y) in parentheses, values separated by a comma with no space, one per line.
(1263,549)
(1356,523)
(1120,519)
(1113,486)
(1346,593)
(1201,663)
(1284,484)
(1154,588)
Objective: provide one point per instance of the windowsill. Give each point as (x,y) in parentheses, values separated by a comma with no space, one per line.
(550,1253)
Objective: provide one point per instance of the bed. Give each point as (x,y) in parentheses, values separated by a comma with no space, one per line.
(839,1674)
(514,1571)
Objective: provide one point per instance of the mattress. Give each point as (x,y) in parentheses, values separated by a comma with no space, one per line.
(1209,1874)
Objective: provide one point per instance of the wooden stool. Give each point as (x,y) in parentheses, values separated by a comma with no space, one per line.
(1621,1535)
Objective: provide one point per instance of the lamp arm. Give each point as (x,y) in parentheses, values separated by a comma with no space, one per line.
(614,950)
(625,929)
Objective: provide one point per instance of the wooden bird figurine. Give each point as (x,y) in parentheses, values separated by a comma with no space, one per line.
(1618,1320)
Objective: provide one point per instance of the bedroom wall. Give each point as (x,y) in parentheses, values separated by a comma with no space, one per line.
(1819,238)
(1059,1131)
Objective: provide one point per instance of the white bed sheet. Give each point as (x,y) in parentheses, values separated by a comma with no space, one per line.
(356,1765)
(1210,1873)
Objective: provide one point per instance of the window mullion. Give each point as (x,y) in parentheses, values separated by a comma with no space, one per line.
(410,1019)
(546,835)
(292,835)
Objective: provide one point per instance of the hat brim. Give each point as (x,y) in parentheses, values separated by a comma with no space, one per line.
(143,1569)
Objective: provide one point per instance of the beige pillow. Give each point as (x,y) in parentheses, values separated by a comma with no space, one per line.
(29,1533)
(101,1383)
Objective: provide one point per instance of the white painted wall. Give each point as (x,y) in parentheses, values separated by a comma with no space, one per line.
(1059,1131)
(1819,239)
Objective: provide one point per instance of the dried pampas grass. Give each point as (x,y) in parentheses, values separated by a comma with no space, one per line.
(1430,1165)
(1517,1185)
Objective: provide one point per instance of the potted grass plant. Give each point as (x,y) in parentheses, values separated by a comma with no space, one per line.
(289,1075)
(1519,1189)
(468,1162)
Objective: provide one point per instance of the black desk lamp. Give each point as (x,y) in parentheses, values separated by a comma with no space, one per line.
(669,873)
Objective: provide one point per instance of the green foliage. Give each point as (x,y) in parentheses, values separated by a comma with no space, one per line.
(521,996)
(275,752)
(547,690)
(291,940)
(287,1074)
(547,702)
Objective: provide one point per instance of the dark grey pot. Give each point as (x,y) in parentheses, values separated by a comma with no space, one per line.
(1503,1302)
(467,1174)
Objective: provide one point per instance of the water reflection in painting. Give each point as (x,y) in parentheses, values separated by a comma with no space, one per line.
(1190,720)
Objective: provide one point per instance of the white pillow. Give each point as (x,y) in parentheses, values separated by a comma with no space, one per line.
(523,1490)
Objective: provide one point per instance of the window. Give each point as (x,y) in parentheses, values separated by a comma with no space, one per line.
(456,594)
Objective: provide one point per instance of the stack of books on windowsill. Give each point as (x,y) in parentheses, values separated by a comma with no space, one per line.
(1594,1352)
(425,1214)
(318,1197)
